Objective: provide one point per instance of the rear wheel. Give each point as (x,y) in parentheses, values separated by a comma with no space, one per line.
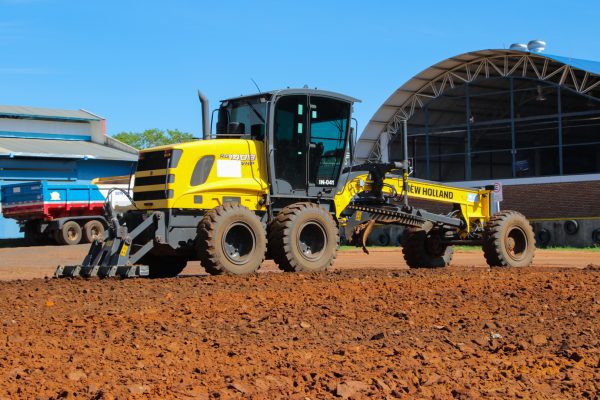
(32,235)
(69,234)
(508,240)
(304,237)
(231,239)
(425,249)
(93,230)
(164,266)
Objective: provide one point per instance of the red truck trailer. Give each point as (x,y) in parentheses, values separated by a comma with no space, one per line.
(67,213)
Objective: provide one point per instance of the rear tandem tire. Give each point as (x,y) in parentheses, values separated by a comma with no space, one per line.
(508,240)
(304,237)
(424,250)
(231,239)
(92,230)
(31,236)
(69,234)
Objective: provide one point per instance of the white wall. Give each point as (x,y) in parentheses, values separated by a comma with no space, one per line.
(66,128)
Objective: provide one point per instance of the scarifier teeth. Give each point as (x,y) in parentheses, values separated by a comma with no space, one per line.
(68,271)
(390,216)
(115,271)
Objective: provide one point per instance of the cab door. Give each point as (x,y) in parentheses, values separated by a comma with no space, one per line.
(328,133)
(289,146)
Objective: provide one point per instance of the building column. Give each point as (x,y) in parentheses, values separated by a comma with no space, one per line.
(384,141)
(513,140)
(468,138)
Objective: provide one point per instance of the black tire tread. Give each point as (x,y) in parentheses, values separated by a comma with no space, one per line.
(280,248)
(85,231)
(492,237)
(415,254)
(164,266)
(62,233)
(206,244)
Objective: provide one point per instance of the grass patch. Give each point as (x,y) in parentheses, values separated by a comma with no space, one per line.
(566,248)
(478,248)
(467,248)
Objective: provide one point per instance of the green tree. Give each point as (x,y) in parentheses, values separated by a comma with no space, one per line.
(153,138)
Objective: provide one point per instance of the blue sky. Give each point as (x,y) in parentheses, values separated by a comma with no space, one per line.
(139,63)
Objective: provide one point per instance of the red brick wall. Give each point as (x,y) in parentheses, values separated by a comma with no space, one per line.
(554,200)
(542,201)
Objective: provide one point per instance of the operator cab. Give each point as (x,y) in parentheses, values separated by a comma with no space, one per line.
(307,135)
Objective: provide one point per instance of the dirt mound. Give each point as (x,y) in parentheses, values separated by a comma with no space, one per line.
(452,333)
(592,267)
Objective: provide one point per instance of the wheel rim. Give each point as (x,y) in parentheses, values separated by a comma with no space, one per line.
(239,243)
(516,243)
(312,240)
(72,234)
(95,232)
(434,246)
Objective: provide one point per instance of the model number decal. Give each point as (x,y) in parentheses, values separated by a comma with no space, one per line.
(241,157)
(246,159)
(326,182)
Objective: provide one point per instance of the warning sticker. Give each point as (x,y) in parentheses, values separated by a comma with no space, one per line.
(229,168)
(497,193)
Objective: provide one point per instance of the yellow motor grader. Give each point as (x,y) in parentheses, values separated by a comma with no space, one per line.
(277,180)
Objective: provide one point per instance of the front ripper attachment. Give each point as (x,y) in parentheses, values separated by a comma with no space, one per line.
(113,256)
(104,260)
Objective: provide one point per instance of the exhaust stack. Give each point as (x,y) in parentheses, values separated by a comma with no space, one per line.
(205,118)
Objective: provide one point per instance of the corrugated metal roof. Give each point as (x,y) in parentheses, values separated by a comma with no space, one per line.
(47,113)
(585,65)
(401,96)
(14,147)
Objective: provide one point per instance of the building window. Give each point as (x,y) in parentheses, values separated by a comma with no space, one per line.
(504,128)
(581,140)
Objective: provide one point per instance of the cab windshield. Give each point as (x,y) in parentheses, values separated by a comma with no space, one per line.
(243,117)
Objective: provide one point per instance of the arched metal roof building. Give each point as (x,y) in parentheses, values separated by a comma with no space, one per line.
(579,76)
(528,120)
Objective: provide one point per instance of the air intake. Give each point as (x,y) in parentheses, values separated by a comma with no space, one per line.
(536,46)
(518,46)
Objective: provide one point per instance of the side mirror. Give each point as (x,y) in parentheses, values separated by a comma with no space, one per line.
(352,141)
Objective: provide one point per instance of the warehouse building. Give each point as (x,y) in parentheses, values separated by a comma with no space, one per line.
(56,145)
(522,118)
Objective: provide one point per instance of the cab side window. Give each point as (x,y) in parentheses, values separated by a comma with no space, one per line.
(329,121)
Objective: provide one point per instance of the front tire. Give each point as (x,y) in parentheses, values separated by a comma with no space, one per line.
(508,240)
(425,249)
(231,239)
(304,237)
